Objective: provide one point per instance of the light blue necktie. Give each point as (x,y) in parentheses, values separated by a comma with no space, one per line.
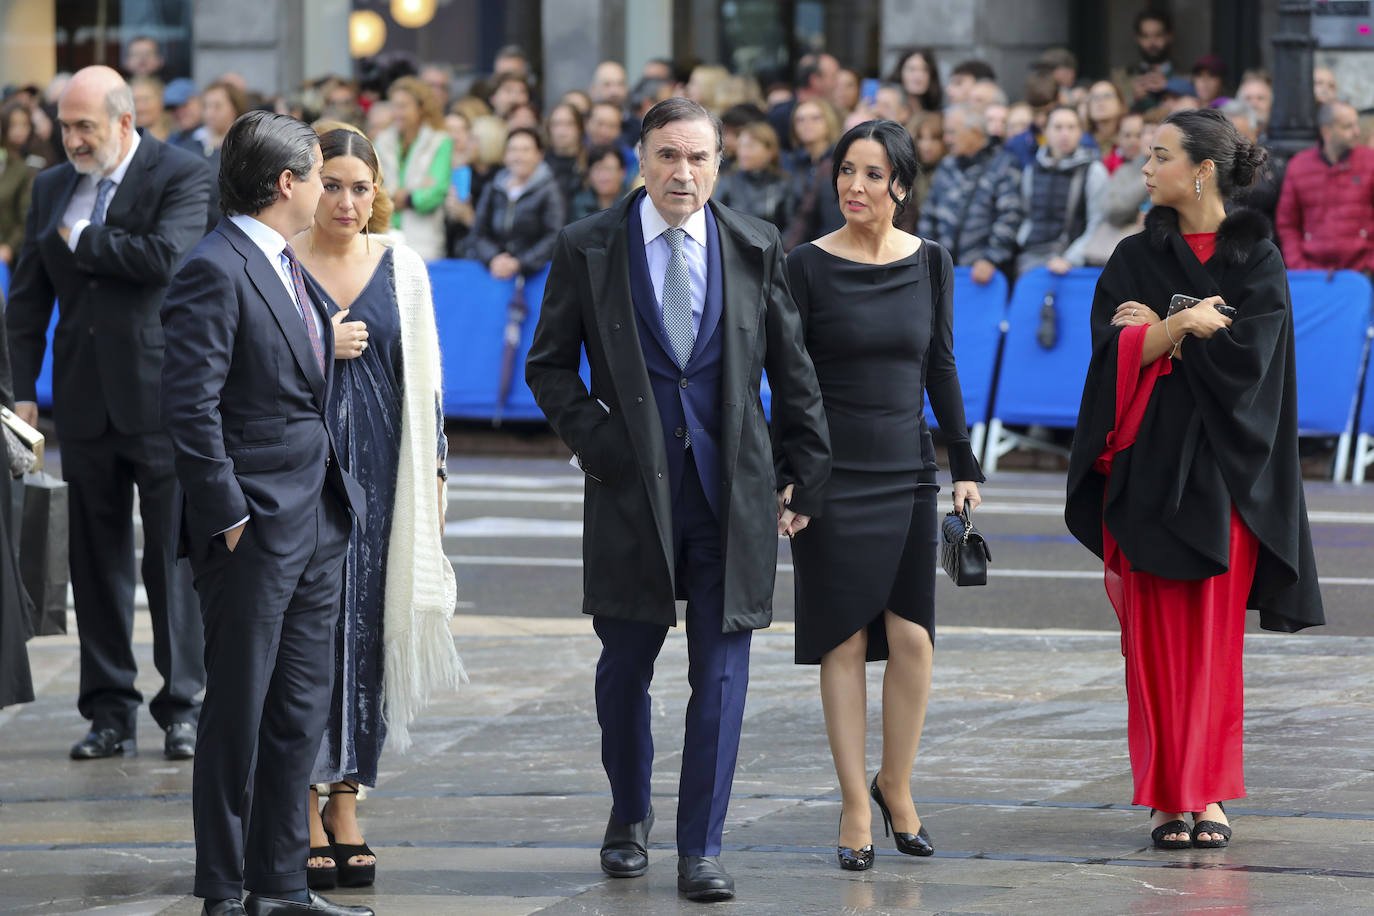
(677,298)
(102,201)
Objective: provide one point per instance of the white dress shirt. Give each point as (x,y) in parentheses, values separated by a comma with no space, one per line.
(658,251)
(78,213)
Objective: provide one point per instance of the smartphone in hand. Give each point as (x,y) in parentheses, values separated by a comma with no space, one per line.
(1181,302)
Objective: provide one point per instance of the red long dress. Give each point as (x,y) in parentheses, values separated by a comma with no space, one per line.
(1182,640)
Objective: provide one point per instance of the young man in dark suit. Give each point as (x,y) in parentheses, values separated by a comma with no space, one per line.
(106,231)
(244,384)
(680,305)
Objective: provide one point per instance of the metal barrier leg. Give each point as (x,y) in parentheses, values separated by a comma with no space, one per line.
(994,446)
(1342,457)
(1364,454)
(977,439)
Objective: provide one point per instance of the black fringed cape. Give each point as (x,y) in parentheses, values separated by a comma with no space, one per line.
(1220,429)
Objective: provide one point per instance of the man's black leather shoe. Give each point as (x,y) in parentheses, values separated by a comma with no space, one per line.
(257,905)
(231,907)
(625,849)
(103,742)
(703,879)
(181,741)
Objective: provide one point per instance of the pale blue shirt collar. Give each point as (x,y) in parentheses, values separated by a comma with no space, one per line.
(264,236)
(272,244)
(117,175)
(654,223)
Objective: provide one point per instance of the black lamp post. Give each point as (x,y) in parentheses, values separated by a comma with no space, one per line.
(1293,121)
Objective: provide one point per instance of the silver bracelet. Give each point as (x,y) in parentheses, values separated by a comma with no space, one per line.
(1176,343)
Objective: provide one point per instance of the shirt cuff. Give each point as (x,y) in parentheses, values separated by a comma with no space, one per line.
(242,521)
(77,228)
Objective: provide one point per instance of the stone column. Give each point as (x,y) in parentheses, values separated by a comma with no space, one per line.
(263,40)
(27,53)
(1292,124)
(578,35)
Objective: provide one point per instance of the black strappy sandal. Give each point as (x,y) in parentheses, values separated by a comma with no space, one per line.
(1215,828)
(322,877)
(350,875)
(1175,826)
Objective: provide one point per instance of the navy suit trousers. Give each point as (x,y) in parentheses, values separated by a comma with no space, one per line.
(717,670)
(269,656)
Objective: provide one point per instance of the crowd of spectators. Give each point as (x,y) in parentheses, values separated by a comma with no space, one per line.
(1049,176)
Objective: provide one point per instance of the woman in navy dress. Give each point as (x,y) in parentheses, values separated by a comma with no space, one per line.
(392,642)
(877,306)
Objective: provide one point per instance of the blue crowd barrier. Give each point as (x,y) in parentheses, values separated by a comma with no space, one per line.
(979,314)
(470,308)
(1330,325)
(1364,440)
(1038,385)
(4,279)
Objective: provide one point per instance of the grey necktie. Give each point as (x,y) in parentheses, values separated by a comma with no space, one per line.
(677,298)
(102,201)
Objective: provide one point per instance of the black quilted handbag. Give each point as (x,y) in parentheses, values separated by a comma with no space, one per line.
(963,550)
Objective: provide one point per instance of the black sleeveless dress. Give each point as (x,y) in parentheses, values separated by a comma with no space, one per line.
(879,335)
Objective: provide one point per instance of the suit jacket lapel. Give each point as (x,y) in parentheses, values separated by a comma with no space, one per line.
(126,196)
(608,270)
(269,285)
(64,197)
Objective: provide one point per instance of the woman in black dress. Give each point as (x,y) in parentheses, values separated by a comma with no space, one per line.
(877,307)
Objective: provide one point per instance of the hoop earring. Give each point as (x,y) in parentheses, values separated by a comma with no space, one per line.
(1197,186)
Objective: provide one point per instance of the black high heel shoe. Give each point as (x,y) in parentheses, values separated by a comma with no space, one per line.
(321,877)
(1176,826)
(350,875)
(908,844)
(1221,833)
(852,859)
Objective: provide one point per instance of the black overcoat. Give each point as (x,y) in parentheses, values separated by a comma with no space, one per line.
(627,542)
(1220,429)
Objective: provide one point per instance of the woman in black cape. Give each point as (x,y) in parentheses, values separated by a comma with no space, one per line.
(1184,476)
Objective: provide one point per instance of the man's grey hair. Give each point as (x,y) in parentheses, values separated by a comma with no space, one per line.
(1237,109)
(1326,115)
(973,117)
(119,101)
(678,109)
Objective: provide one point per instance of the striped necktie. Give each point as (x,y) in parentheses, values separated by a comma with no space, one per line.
(304,307)
(102,201)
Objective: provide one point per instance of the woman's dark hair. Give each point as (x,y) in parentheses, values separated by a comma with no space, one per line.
(933,98)
(6,113)
(900,150)
(1209,134)
(258,148)
(342,141)
(526,132)
(737,116)
(602,150)
(678,109)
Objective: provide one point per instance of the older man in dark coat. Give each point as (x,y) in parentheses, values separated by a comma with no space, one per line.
(680,306)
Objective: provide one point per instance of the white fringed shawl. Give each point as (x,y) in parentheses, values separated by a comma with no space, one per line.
(421,589)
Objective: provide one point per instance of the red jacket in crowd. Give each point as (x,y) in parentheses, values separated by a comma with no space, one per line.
(1325,217)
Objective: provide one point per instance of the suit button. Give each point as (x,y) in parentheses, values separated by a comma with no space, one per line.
(639,400)
(679,432)
(616,326)
(91,330)
(682,383)
(660,475)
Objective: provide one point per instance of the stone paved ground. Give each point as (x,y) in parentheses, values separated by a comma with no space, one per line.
(1023,782)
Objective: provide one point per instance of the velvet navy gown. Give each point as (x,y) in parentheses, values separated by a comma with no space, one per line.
(365,414)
